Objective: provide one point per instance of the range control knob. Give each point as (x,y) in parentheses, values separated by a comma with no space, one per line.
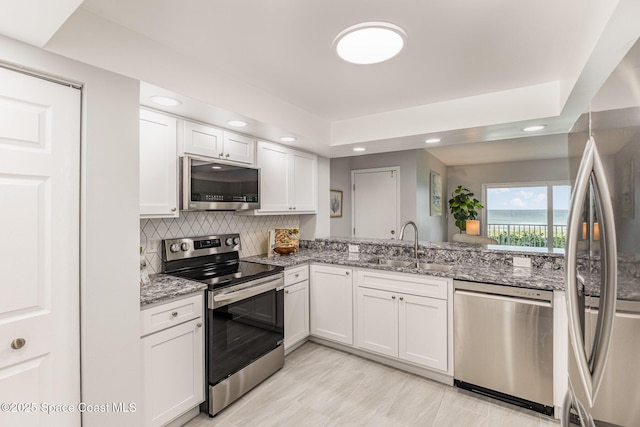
(174,247)
(184,246)
(228,241)
(236,240)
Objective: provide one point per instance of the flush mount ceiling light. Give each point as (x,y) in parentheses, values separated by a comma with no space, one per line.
(534,128)
(370,42)
(237,123)
(216,167)
(359,149)
(432,140)
(287,138)
(166,101)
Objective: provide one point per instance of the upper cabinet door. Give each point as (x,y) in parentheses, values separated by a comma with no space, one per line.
(274,178)
(303,176)
(158,165)
(288,182)
(203,140)
(239,148)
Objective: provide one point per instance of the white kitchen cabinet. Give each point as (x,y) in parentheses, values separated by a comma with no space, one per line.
(288,180)
(296,306)
(422,327)
(173,359)
(378,321)
(239,148)
(404,317)
(209,141)
(158,165)
(331,303)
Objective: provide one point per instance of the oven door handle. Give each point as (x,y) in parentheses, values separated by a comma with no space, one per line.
(219,300)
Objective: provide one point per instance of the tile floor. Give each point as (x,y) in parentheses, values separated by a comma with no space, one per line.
(319,386)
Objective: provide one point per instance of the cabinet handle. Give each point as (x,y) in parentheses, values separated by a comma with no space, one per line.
(18,343)
(174,314)
(297,275)
(173,209)
(401,298)
(221,154)
(286,292)
(294,208)
(227,155)
(393,297)
(347,273)
(199,324)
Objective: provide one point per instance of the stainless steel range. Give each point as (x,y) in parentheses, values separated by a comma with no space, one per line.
(245,313)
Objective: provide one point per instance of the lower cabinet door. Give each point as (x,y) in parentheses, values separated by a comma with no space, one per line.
(378,321)
(173,372)
(331,299)
(296,313)
(423,331)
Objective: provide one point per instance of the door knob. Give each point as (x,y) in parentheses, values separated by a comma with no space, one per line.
(18,343)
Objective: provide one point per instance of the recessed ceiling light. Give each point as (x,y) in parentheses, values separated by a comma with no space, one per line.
(370,42)
(287,138)
(237,123)
(534,128)
(359,149)
(166,101)
(432,140)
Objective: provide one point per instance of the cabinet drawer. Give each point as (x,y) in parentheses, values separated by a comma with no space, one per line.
(296,275)
(427,286)
(172,313)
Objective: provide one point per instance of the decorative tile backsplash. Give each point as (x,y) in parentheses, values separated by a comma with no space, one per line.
(252,230)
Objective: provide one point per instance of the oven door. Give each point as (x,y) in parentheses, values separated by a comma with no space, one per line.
(209,185)
(243,324)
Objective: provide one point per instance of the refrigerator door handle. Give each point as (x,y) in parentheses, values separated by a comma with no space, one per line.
(592,372)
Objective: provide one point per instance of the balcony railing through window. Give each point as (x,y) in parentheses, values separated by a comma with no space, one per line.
(533,235)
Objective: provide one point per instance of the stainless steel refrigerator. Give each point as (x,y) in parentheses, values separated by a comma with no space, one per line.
(602,264)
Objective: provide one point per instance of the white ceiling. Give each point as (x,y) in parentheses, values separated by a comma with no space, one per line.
(455,48)
(470,72)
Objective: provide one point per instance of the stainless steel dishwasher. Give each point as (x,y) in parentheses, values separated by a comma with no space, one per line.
(503,343)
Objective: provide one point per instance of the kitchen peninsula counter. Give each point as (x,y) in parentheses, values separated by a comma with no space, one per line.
(498,272)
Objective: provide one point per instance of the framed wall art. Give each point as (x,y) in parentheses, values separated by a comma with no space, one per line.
(335,203)
(436,194)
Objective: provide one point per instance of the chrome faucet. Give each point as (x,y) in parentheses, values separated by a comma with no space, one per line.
(415,243)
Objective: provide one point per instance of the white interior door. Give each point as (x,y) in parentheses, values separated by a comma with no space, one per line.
(39,255)
(376,202)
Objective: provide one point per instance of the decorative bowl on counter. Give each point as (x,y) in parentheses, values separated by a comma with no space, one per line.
(285,249)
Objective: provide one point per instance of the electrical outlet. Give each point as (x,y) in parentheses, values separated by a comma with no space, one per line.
(152,246)
(521,262)
(354,249)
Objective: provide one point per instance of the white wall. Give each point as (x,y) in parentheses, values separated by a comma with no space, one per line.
(341,180)
(430,228)
(415,167)
(473,176)
(109,276)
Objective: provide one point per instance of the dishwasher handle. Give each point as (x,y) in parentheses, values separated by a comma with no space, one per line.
(502,298)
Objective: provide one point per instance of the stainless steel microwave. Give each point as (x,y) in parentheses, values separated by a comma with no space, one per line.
(208,185)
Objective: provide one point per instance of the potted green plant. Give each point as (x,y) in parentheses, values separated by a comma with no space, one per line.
(463,207)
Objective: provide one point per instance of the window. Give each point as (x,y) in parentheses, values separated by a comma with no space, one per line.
(527,214)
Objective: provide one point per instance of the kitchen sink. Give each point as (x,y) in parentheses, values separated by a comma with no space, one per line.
(411,264)
(434,267)
(393,262)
